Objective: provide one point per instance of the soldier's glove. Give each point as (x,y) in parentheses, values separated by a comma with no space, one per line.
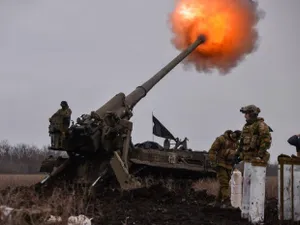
(236,159)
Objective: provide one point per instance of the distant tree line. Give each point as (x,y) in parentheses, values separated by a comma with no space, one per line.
(27,159)
(22,158)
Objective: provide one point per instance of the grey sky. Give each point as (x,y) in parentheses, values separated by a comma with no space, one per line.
(87,51)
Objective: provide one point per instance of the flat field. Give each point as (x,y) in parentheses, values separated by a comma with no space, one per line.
(14,180)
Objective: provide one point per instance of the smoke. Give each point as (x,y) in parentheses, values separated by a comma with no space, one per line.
(229,26)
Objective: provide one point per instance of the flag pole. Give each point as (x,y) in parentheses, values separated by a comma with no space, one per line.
(152,128)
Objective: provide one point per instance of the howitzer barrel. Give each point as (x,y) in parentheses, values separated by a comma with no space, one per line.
(141,91)
(119,102)
(121,106)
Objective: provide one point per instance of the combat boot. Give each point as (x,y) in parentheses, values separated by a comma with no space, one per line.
(226,204)
(216,203)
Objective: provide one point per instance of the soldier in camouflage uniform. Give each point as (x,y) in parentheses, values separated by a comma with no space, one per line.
(256,138)
(295,141)
(59,124)
(221,156)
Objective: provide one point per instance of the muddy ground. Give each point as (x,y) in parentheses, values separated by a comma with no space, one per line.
(153,206)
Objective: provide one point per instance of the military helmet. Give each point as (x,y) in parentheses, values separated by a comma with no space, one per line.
(64,103)
(237,133)
(250,109)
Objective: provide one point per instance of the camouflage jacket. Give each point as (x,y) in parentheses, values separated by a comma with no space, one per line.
(255,139)
(61,117)
(223,150)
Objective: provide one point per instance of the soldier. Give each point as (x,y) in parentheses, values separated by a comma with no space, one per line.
(59,124)
(221,156)
(177,143)
(166,144)
(256,138)
(295,141)
(184,144)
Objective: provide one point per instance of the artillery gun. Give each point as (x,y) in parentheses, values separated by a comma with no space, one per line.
(100,149)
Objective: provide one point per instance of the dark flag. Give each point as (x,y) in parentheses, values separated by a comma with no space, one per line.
(160,130)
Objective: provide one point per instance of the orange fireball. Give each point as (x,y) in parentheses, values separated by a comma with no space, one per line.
(229,27)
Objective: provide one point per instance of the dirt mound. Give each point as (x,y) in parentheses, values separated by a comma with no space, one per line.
(153,206)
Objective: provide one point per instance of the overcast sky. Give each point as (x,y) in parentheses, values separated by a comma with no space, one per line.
(85,52)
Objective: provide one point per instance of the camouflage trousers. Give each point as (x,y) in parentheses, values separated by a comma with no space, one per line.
(223,176)
(57,139)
